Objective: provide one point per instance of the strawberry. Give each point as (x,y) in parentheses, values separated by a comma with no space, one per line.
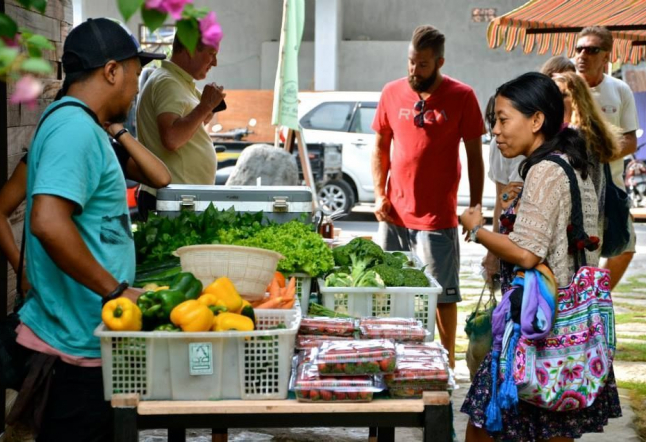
(387,365)
(352,395)
(339,395)
(314,395)
(304,393)
(365,395)
(326,395)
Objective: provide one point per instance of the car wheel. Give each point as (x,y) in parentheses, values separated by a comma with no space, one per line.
(336,195)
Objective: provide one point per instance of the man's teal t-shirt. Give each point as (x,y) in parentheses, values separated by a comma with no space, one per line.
(71,157)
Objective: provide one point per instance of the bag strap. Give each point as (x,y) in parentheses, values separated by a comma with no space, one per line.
(577,211)
(24,224)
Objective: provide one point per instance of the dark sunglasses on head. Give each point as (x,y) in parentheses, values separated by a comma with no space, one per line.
(592,50)
(420,107)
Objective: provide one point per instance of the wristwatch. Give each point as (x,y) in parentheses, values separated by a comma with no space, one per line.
(120,133)
(473,234)
(114,294)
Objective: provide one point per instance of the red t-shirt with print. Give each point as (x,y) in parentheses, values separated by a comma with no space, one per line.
(425,162)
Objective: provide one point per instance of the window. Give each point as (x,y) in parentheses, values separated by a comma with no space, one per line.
(329,116)
(160,40)
(362,122)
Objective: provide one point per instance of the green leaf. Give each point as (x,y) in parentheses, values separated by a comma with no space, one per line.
(40,42)
(8,55)
(152,18)
(127,8)
(25,3)
(37,66)
(8,27)
(39,5)
(191,11)
(188,33)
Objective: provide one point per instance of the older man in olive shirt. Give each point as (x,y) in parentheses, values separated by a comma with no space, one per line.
(171,118)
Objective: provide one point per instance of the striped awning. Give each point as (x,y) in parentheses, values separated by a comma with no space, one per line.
(556,23)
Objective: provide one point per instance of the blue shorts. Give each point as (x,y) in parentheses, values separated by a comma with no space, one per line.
(437,249)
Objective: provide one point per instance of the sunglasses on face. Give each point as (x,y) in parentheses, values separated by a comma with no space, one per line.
(592,50)
(420,107)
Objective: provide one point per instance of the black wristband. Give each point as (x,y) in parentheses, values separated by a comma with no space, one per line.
(114,294)
(121,132)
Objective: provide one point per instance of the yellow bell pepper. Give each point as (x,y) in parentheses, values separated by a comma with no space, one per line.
(121,314)
(232,321)
(191,316)
(225,295)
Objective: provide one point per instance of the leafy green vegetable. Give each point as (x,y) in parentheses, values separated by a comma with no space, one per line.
(304,250)
(369,278)
(363,254)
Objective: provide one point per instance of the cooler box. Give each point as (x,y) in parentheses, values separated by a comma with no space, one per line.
(279,203)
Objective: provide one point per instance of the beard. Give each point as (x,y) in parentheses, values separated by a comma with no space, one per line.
(422,84)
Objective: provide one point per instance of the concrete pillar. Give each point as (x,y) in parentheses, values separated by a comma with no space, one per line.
(327,40)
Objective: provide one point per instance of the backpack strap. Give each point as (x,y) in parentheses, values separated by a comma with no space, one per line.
(576,216)
(18,302)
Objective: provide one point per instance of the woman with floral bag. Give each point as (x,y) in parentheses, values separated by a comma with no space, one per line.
(552,240)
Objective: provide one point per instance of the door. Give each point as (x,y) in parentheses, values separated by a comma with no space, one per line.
(357,150)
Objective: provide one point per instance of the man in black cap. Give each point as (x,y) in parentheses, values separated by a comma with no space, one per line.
(79,247)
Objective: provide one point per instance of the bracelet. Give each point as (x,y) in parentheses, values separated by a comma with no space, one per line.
(114,294)
(120,133)
(473,234)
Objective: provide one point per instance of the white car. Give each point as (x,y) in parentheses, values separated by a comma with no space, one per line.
(346,118)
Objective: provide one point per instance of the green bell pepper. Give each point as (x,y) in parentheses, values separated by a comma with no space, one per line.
(188,284)
(159,304)
(168,328)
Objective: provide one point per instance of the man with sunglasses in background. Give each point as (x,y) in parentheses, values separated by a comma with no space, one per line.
(424,116)
(617,102)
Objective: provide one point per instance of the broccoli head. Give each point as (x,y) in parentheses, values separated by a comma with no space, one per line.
(363,254)
(338,279)
(392,260)
(415,278)
(341,257)
(392,276)
(405,259)
(369,278)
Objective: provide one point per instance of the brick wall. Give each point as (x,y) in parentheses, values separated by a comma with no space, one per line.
(54,24)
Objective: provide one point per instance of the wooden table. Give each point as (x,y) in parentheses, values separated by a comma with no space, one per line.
(432,413)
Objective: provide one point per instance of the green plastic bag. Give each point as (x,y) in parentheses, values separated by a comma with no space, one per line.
(478,329)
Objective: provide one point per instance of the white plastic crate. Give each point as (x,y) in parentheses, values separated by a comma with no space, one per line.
(303,290)
(397,302)
(202,366)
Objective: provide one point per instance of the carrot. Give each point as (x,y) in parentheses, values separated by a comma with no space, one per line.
(289,304)
(291,287)
(274,288)
(271,303)
(257,302)
(280,278)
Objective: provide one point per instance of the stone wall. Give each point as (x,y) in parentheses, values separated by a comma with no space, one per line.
(54,24)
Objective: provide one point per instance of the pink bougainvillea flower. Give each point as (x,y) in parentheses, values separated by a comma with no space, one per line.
(26,91)
(172,7)
(11,42)
(211,30)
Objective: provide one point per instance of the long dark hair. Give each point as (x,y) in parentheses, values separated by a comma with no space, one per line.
(534,92)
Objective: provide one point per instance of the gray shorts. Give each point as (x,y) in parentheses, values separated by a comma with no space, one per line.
(438,249)
(633,237)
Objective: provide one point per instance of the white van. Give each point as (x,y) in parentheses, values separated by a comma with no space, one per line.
(346,118)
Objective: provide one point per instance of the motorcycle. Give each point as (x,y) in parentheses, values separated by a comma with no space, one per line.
(237,134)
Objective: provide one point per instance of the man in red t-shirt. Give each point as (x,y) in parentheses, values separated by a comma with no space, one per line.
(425,116)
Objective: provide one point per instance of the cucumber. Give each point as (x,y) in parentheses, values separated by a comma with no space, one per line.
(162,277)
(155,267)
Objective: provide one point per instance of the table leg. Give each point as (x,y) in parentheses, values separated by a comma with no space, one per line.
(125,425)
(372,434)
(219,435)
(176,435)
(438,423)
(386,434)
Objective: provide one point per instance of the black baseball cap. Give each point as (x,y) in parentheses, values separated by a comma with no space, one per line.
(96,41)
